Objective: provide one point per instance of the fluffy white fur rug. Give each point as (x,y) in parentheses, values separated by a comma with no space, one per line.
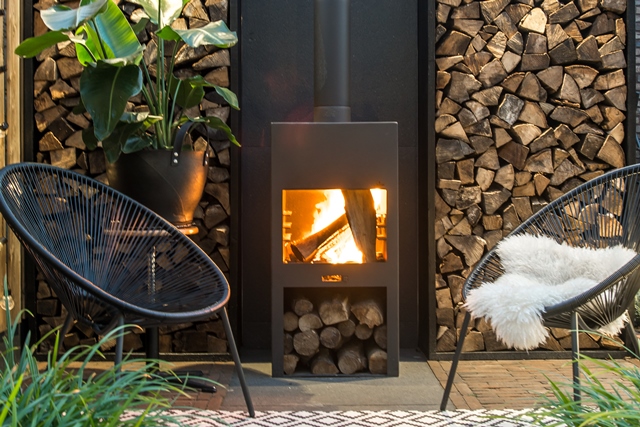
(540,272)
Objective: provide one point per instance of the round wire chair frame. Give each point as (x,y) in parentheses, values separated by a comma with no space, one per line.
(552,220)
(601,212)
(162,231)
(106,255)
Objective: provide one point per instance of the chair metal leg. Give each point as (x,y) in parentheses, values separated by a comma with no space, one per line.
(180,377)
(66,327)
(236,360)
(454,364)
(575,355)
(631,341)
(119,343)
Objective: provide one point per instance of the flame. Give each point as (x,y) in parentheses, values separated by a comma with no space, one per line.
(379,201)
(343,249)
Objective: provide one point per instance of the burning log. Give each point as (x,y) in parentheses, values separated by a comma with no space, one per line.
(361,215)
(304,249)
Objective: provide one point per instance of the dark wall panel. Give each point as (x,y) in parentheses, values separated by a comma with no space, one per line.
(277,85)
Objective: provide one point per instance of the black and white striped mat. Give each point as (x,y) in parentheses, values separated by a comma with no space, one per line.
(391,418)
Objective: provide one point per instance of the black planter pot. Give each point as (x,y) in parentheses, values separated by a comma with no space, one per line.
(168,182)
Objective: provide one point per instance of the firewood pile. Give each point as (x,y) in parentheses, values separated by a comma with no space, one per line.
(190,337)
(59,142)
(331,336)
(531,102)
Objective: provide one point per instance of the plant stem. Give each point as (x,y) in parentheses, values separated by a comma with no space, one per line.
(150,95)
(173,104)
(161,89)
(174,95)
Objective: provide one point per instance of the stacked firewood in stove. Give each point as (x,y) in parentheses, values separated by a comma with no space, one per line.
(531,102)
(331,336)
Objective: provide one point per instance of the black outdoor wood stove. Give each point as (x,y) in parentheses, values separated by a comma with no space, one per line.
(334,192)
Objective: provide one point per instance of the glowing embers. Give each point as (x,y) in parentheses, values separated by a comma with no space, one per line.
(334,226)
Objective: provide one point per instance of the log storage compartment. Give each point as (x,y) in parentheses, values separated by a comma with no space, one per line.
(329,331)
(334,248)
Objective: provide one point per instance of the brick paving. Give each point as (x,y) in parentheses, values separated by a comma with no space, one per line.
(514,384)
(221,372)
(479,384)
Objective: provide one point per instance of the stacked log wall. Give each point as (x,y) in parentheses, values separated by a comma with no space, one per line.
(59,142)
(531,102)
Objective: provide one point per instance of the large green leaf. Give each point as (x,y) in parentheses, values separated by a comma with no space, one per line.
(116,32)
(61,17)
(134,58)
(199,81)
(188,93)
(162,12)
(128,135)
(139,117)
(217,123)
(167,33)
(144,117)
(119,136)
(34,45)
(141,25)
(87,50)
(89,138)
(138,142)
(228,96)
(214,33)
(112,151)
(105,90)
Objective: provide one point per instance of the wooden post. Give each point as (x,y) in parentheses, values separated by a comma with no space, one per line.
(11,141)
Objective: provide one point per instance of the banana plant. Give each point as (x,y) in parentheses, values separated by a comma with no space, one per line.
(115,71)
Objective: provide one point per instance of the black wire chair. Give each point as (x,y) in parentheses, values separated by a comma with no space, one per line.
(109,259)
(602,212)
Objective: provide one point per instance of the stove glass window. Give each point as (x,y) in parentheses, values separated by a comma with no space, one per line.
(333,226)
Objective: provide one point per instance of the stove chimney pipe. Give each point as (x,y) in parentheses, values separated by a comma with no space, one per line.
(331,56)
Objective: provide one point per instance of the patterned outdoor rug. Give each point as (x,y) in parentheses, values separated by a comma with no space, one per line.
(481,418)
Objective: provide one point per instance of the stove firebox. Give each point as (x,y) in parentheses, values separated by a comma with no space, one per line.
(349,250)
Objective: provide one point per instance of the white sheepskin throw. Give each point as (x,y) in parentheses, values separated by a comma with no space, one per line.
(540,272)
